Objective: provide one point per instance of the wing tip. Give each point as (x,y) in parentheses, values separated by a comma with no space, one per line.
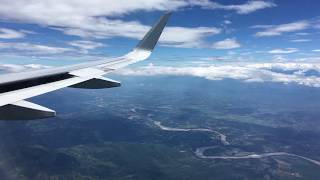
(150,40)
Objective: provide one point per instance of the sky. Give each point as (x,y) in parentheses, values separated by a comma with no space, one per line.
(40,33)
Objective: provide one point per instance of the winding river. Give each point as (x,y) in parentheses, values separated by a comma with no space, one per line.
(223,138)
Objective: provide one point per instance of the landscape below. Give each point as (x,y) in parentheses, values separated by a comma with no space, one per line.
(149,129)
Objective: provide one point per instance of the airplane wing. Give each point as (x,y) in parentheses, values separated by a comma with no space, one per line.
(16,87)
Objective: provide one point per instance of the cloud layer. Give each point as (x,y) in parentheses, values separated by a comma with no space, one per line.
(298,73)
(306,74)
(102,18)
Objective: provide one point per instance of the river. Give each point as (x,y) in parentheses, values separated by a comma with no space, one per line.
(223,138)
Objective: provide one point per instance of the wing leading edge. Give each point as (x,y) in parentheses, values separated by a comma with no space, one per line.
(16,87)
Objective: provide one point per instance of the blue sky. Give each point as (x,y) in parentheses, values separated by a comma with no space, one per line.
(62,32)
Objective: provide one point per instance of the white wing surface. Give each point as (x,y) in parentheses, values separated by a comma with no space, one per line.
(16,87)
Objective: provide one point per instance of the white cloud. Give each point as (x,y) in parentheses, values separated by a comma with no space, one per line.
(301,34)
(187,37)
(92,18)
(259,72)
(249,7)
(301,40)
(227,22)
(11,68)
(276,30)
(10,34)
(226,44)
(62,12)
(85,45)
(316,50)
(284,51)
(211,58)
(33,48)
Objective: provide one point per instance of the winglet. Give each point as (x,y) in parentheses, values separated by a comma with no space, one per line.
(146,45)
(150,40)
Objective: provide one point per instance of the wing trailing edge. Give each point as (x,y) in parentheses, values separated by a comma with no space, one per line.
(97,83)
(24,110)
